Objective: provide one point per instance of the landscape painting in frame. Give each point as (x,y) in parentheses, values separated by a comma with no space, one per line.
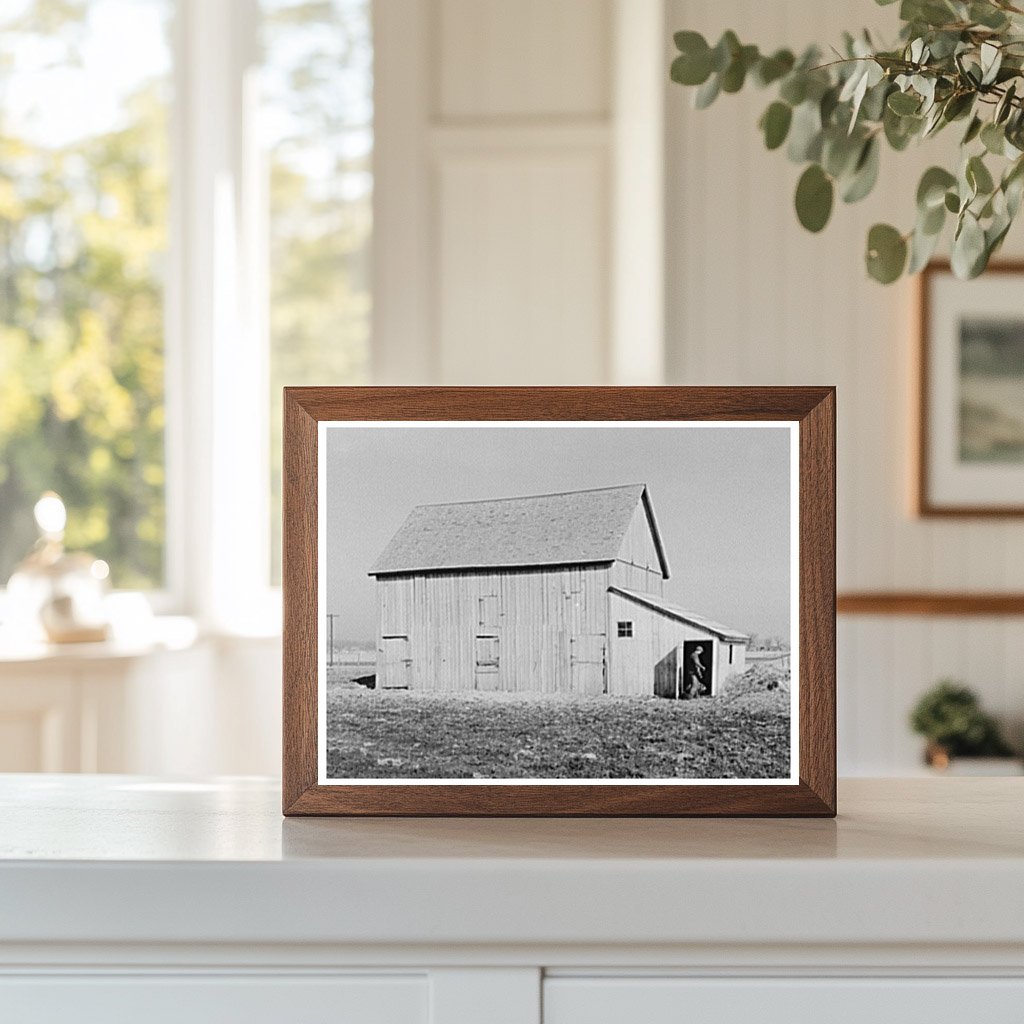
(571,602)
(972,393)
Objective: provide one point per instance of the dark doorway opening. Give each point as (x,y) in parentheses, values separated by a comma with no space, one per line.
(697,668)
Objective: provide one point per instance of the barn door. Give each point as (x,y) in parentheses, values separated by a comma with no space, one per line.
(486,675)
(698,668)
(397,663)
(586,654)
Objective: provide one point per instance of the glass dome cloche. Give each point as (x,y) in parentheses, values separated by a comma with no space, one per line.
(57,595)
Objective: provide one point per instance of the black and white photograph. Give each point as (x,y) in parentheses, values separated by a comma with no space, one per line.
(557,602)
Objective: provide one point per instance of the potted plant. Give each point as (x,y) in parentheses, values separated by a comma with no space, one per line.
(950,718)
(956,62)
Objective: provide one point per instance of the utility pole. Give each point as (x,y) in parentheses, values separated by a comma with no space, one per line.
(331,616)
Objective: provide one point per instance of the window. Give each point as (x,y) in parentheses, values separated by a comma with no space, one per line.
(83,239)
(317,123)
(730,653)
(184,228)
(488,611)
(487,654)
(625,629)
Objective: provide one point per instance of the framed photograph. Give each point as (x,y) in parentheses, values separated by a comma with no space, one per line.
(970,450)
(559,601)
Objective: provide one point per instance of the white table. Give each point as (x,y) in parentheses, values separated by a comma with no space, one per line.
(125,898)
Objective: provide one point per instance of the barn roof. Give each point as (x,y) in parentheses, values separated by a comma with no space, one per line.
(673,611)
(570,528)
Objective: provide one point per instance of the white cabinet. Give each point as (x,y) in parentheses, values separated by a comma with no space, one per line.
(828,1000)
(126,899)
(216,1000)
(174,705)
(101,707)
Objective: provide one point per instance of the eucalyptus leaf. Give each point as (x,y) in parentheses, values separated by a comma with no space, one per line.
(814,196)
(1005,105)
(931,190)
(973,130)
(978,176)
(724,51)
(689,70)
(707,93)
(968,247)
(805,133)
(993,138)
(775,124)
(991,61)
(944,44)
(934,121)
(932,221)
(925,87)
(1013,187)
(840,152)
(930,12)
(794,88)
(735,74)
(827,106)
(922,248)
(1014,192)
(903,103)
(771,69)
(958,105)
(900,130)
(987,15)
(865,173)
(886,253)
(873,106)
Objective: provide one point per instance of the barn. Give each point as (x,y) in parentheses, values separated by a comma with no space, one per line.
(547,593)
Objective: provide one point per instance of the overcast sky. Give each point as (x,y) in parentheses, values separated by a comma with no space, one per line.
(721,496)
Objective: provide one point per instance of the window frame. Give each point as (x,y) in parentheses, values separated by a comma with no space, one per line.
(215,319)
(170,597)
(624,629)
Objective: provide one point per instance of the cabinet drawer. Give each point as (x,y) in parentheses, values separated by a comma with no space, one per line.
(202,999)
(782,1001)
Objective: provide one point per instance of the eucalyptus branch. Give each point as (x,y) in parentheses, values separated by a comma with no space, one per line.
(954,60)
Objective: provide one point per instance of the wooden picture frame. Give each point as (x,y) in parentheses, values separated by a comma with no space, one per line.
(809,791)
(946,485)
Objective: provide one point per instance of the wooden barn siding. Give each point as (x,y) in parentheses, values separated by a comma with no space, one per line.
(632,660)
(638,551)
(634,577)
(539,611)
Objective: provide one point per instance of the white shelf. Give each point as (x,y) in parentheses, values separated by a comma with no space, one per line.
(120,859)
(127,897)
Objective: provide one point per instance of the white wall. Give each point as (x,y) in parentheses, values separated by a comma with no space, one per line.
(521,208)
(505,137)
(754,299)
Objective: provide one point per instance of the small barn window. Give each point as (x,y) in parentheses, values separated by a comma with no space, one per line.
(487,654)
(730,653)
(489,611)
(625,628)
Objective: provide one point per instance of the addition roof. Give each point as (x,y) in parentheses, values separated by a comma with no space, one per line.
(673,611)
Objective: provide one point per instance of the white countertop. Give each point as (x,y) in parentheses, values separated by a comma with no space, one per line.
(121,859)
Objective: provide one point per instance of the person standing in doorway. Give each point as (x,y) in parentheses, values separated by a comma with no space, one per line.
(696,672)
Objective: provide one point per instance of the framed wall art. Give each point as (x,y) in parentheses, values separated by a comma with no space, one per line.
(559,601)
(970,444)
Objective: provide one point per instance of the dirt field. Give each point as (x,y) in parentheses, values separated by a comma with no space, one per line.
(742,734)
